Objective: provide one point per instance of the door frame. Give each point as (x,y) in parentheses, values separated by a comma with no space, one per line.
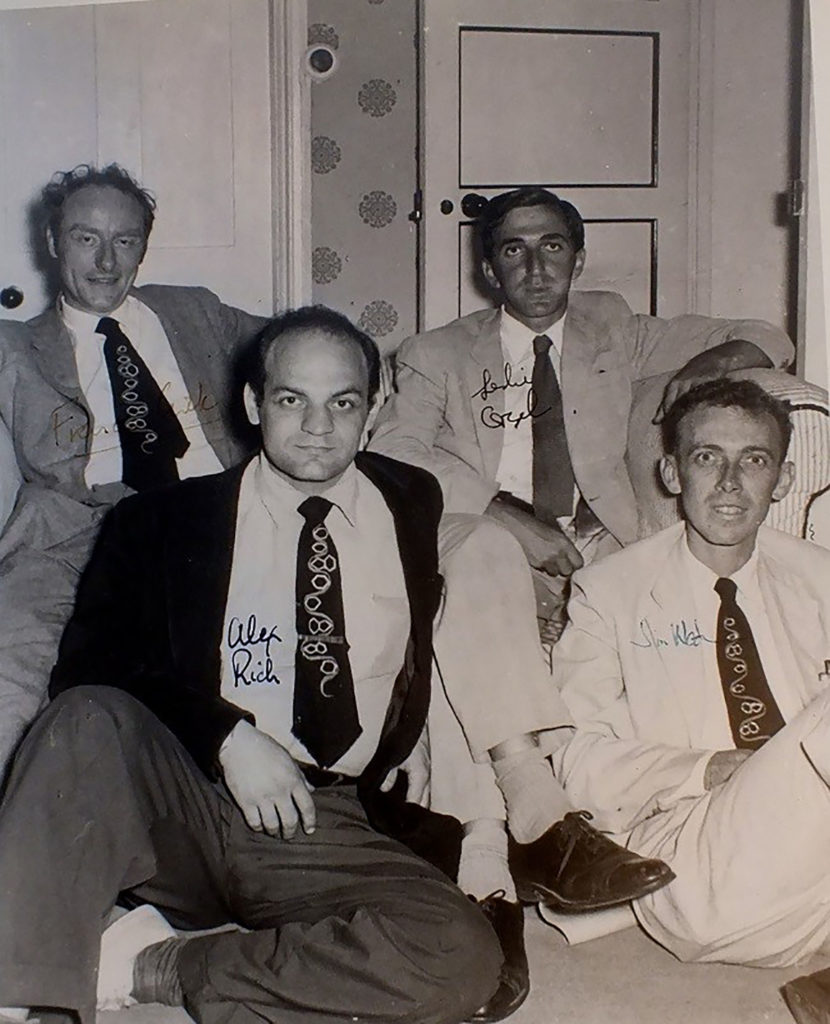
(290,153)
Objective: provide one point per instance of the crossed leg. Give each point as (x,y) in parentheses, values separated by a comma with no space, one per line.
(346,922)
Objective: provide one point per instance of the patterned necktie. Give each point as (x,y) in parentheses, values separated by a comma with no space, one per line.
(325,710)
(553,475)
(754,715)
(149,431)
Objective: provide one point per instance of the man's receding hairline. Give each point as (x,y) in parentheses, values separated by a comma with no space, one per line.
(330,335)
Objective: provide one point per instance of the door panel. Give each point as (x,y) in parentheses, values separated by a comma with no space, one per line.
(178,92)
(588,98)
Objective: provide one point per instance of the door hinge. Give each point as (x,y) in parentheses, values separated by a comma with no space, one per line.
(796,194)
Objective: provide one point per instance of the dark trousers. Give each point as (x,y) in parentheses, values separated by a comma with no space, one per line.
(346,924)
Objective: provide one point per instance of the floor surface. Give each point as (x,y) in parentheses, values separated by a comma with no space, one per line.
(623,978)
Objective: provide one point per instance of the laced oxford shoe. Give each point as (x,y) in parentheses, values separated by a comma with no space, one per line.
(574,868)
(808,997)
(507,921)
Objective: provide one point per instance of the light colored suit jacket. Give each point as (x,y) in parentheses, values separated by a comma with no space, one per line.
(48,538)
(629,669)
(41,399)
(434,418)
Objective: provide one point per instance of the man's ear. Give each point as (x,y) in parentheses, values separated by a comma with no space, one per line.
(579,264)
(251,405)
(490,274)
(669,474)
(50,243)
(786,477)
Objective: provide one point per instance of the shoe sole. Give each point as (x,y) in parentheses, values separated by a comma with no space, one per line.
(541,894)
(807,1001)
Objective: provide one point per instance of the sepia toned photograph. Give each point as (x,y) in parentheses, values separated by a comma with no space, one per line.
(414,511)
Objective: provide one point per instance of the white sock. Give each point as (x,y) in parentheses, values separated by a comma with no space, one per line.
(483,867)
(532,796)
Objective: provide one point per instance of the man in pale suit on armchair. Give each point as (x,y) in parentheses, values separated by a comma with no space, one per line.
(694,666)
(522,411)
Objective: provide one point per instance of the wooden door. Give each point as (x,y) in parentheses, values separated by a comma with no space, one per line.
(589,98)
(178,92)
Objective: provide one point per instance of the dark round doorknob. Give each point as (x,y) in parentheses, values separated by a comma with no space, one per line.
(446,207)
(473,205)
(11,297)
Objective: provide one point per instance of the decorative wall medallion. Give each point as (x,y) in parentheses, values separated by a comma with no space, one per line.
(378,318)
(325,265)
(325,154)
(318,34)
(377,209)
(376,97)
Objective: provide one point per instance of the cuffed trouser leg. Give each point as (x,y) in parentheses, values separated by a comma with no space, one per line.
(750,857)
(100,797)
(349,924)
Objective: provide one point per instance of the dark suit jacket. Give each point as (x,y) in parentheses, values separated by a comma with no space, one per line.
(151,607)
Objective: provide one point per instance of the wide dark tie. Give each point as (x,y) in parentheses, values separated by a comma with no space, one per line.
(553,475)
(149,431)
(754,715)
(325,710)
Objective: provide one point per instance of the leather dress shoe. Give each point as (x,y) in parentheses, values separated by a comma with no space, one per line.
(507,921)
(574,868)
(808,998)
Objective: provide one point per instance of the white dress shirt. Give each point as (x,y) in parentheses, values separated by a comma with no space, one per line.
(259,638)
(515,473)
(143,328)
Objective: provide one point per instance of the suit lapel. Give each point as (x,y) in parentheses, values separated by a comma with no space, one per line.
(416,520)
(183,327)
(199,548)
(673,609)
(54,356)
(795,618)
(486,356)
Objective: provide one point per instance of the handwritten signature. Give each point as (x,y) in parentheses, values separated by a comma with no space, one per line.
(490,416)
(681,634)
(489,386)
(251,662)
(67,430)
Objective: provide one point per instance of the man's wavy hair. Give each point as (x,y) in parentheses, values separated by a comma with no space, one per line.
(307,318)
(528,195)
(725,393)
(67,183)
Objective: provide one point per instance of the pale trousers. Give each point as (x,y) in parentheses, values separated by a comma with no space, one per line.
(491,679)
(751,857)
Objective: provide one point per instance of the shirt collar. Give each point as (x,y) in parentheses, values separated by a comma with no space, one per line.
(703,579)
(82,324)
(517,338)
(282,498)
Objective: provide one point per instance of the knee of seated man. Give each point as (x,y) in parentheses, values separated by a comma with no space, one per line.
(478,541)
(92,708)
(465,949)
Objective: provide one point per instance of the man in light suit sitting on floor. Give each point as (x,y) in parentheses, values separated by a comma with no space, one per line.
(694,666)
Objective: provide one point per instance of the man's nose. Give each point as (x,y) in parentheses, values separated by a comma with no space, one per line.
(318,420)
(105,256)
(533,262)
(730,476)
